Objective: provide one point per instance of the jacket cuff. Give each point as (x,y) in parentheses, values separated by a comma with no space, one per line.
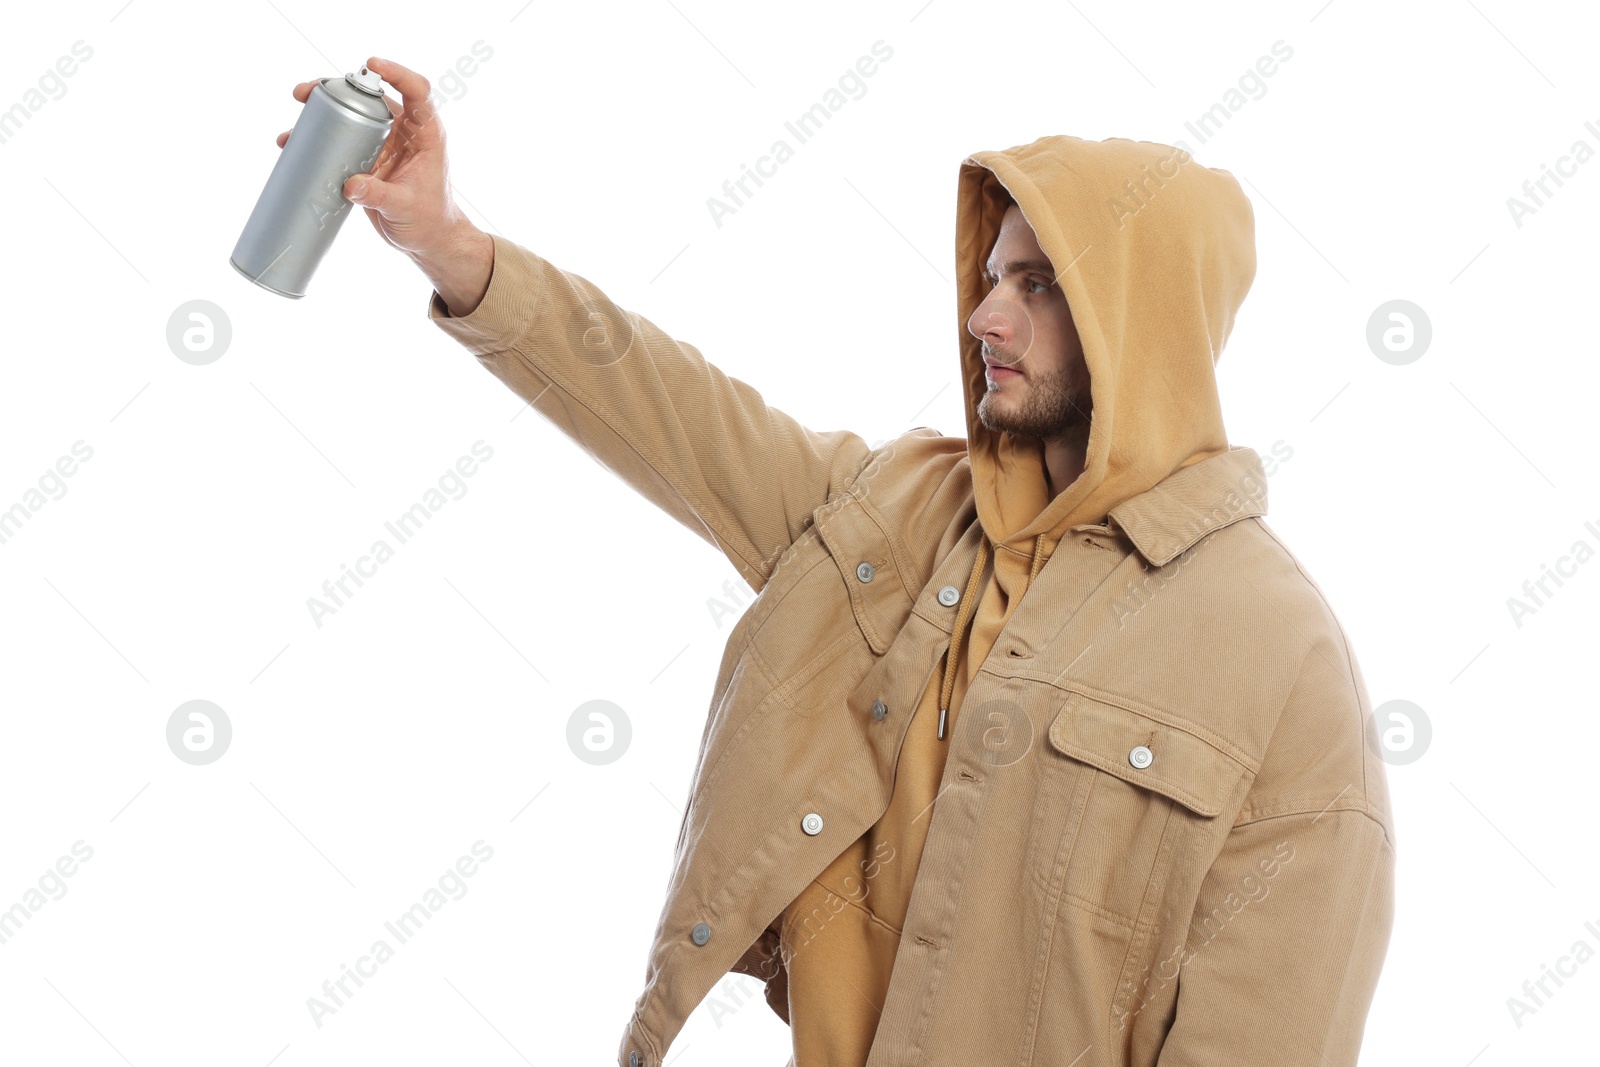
(507,309)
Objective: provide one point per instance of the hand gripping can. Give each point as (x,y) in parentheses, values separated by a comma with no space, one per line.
(343,125)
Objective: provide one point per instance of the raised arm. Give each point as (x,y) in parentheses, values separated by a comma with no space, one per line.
(701,445)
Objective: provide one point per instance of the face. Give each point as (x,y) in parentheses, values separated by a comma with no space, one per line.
(1038,382)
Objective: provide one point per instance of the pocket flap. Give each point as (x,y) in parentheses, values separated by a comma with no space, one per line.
(1181,765)
(870,568)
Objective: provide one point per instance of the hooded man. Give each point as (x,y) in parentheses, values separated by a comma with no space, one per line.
(1037,746)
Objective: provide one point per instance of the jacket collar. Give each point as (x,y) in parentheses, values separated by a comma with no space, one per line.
(1193,501)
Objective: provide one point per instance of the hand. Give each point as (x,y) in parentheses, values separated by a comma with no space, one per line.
(407,192)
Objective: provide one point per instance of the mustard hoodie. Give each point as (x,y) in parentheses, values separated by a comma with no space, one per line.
(1155,254)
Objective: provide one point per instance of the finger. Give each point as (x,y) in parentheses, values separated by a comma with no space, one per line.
(283,138)
(418,116)
(303,90)
(383,197)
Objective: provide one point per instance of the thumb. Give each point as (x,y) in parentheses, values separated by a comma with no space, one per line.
(368,191)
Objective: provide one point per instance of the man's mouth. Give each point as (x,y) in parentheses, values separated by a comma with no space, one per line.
(996,370)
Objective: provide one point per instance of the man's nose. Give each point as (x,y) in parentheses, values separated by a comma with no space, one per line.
(1003,326)
(991,323)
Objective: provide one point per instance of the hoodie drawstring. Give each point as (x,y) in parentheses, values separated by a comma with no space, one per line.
(969,607)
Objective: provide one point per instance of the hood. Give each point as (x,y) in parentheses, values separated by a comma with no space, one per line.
(1155,254)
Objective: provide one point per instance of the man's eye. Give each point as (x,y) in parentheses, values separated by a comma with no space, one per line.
(994,283)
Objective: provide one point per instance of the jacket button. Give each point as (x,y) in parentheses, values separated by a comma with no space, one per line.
(634,1059)
(812,824)
(864,571)
(949,596)
(701,934)
(1140,756)
(878,710)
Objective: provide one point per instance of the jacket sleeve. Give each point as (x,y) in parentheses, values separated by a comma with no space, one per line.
(699,444)
(1286,944)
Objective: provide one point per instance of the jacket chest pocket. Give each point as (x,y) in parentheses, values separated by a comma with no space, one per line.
(873,566)
(836,612)
(1152,792)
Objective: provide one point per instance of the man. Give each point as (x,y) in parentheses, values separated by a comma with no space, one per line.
(1128,817)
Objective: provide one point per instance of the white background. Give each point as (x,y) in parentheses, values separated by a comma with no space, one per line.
(430,710)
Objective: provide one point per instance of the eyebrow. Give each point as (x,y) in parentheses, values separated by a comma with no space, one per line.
(1015,265)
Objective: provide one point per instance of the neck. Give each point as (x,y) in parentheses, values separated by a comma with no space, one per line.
(1064,458)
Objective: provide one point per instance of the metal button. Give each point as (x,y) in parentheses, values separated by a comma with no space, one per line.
(878,710)
(701,933)
(1140,756)
(812,824)
(949,596)
(634,1059)
(864,571)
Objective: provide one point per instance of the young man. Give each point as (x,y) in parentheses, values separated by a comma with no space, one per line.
(1038,746)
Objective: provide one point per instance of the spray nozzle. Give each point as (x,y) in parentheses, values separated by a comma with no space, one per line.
(367,81)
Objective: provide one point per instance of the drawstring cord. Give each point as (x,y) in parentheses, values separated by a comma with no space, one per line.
(969,607)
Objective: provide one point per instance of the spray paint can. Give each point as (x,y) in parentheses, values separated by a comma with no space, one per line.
(341,128)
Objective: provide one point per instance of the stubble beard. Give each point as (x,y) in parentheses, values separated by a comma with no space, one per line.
(1047,409)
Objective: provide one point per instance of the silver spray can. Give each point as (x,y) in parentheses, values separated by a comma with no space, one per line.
(343,125)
